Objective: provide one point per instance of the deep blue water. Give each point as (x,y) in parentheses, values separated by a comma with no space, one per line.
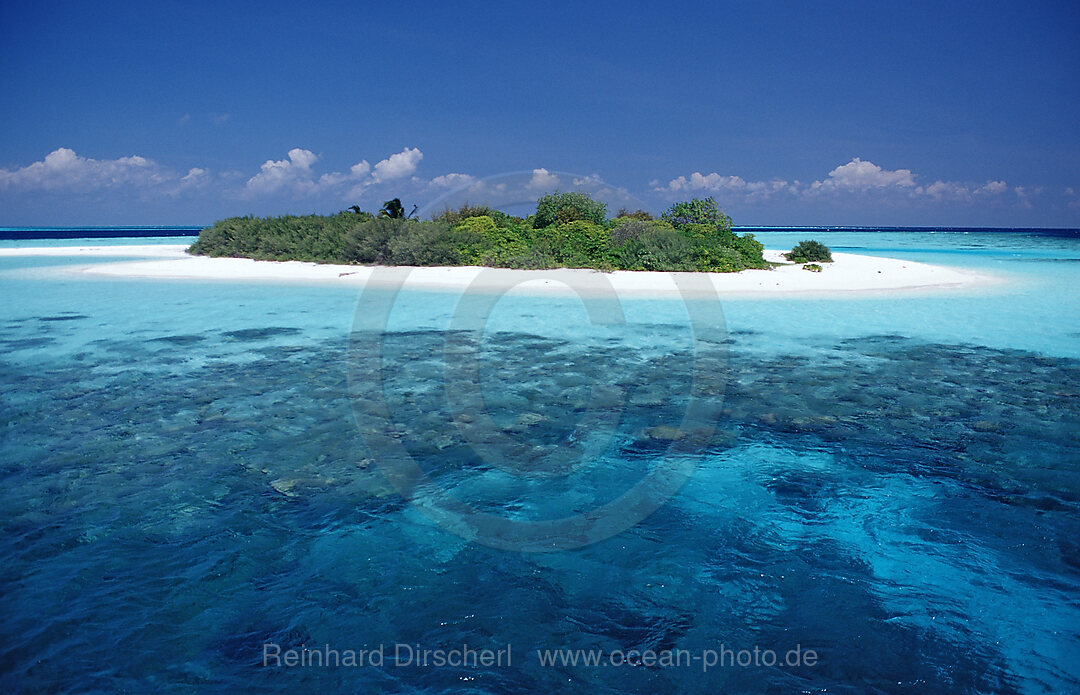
(193,470)
(20,233)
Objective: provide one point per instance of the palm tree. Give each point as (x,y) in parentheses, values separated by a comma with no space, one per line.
(396,211)
(393,209)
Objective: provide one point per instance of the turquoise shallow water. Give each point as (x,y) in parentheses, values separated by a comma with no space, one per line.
(193,470)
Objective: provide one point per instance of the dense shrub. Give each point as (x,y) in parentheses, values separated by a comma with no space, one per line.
(636,214)
(389,241)
(369,242)
(697,230)
(481,235)
(697,211)
(425,244)
(750,250)
(714,249)
(578,244)
(453,217)
(809,251)
(656,250)
(629,228)
(481,224)
(534,258)
(290,237)
(562,208)
(497,246)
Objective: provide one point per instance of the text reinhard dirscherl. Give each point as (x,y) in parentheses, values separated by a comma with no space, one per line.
(464,656)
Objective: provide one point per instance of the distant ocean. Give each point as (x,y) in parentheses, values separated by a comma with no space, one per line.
(17,233)
(193,230)
(195,474)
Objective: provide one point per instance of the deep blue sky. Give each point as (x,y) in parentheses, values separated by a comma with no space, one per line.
(958,113)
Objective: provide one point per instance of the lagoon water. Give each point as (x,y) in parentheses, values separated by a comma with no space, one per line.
(193,470)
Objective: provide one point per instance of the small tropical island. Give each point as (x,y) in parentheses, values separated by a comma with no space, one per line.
(569,236)
(568,230)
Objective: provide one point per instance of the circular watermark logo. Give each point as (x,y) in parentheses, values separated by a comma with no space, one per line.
(430,446)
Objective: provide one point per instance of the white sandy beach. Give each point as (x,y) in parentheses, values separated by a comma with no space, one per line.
(848,273)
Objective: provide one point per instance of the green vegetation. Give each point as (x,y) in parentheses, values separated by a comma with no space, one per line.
(317,238)
(812,267)
(392,209)
(454,217)
(636,214)
(809,251)
(568,230)
(697,211)
(560,208)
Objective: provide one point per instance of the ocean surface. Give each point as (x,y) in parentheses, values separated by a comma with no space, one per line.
(862,493)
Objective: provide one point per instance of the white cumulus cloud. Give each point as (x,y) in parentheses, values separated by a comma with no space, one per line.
(941,190)
(717,183)
(196,176)
(397,165)
(356,173)
(294,172)
(296,175)
(62,169)
(453,180)
(590,180)
(859,175)
(1023,196)
(992,188)
(954,190)
(543,180)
